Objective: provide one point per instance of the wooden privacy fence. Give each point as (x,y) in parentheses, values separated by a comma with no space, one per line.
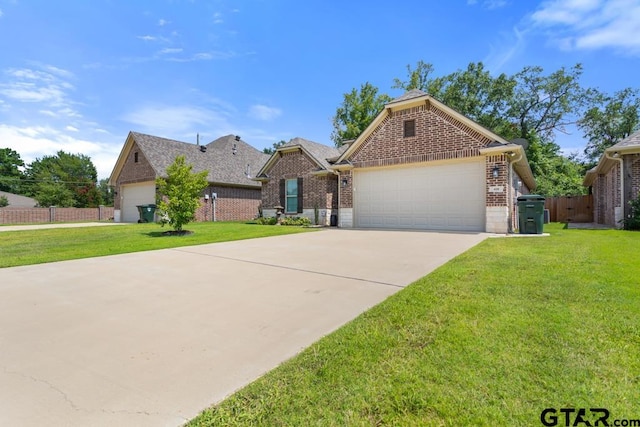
(570,208)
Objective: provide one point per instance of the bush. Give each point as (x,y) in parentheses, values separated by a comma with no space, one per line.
(4,201)
(296,220)
(633,222)
(267,221)
(300,221)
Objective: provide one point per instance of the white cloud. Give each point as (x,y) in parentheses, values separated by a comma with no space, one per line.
(71,129)
(1,13)
(173,121)
(163,22)
(147,38)
(36,86)
(33,142)
(262,112)
(170,50)
(592,24)
(217,18)
(510,45)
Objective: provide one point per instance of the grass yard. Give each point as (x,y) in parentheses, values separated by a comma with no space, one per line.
(511,327)
(57,244)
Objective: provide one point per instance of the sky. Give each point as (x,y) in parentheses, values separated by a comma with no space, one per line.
(78,75)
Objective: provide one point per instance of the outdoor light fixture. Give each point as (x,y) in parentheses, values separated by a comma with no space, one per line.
(496,171)
(345,181)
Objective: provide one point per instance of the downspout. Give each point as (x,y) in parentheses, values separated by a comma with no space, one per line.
(621,180)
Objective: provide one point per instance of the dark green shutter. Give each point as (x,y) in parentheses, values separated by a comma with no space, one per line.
(283,193)
(300,193)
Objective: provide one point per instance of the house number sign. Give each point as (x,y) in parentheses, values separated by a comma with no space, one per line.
(496,189)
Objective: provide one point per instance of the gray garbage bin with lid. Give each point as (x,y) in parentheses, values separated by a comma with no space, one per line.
(530,214)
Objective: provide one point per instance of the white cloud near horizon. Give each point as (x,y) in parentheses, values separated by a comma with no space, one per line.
(263,112)
(592,24)
(34,142)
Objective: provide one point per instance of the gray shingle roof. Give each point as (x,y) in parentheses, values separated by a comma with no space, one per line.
(413,93)
(632,140)
(18,201)
(320,152)
(223,166)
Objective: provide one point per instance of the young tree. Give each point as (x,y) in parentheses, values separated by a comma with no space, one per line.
(357,111)
(4,201)
(609,121)
(10,173)
(178,195)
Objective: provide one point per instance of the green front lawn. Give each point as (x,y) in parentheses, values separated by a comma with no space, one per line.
(511,327)
(58,244)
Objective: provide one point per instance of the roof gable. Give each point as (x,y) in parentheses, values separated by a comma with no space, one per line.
(224,164)
(318,153)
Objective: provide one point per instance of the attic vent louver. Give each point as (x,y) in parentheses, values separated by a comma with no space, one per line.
(203,148)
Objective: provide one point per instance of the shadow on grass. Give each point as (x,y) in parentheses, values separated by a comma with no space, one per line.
(170,233)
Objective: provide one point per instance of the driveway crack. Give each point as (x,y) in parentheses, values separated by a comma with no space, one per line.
(266,264)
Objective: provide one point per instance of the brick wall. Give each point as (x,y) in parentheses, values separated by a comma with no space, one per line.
(133,171)
(497,198)
(11,215)
(606,196)
(438,136)
(320,191)
(232,204)
(606,192)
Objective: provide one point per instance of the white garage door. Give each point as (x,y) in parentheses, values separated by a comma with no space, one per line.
(134,195)
(436,197)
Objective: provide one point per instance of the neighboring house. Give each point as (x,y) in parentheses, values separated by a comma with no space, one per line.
(615,181)
(18,201)
(418,165)
(231,194)
(298,178)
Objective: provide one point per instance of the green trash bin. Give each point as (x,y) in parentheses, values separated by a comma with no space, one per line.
(530,214)
(147,213)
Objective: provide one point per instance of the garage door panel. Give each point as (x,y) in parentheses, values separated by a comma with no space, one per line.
(134,195)
(440,197)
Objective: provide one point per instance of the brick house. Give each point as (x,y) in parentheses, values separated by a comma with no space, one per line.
(615,181)
(231,194)
(298,178)
(418,165)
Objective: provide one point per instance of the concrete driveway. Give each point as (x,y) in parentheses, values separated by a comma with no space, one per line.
(152,338)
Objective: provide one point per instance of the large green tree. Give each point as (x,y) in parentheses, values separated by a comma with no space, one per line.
(357,111)
(11,174)
(544,104)
(529,104)
(178,195)
(274,147)
(106,192)
(65,180)
(611,119)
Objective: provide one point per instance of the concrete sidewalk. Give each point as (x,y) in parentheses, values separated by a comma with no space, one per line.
(152,338)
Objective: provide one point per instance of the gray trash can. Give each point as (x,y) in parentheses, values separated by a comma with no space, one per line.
(147,213)
(531,214)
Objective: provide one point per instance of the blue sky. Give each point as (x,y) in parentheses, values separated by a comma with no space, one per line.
(78,75)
